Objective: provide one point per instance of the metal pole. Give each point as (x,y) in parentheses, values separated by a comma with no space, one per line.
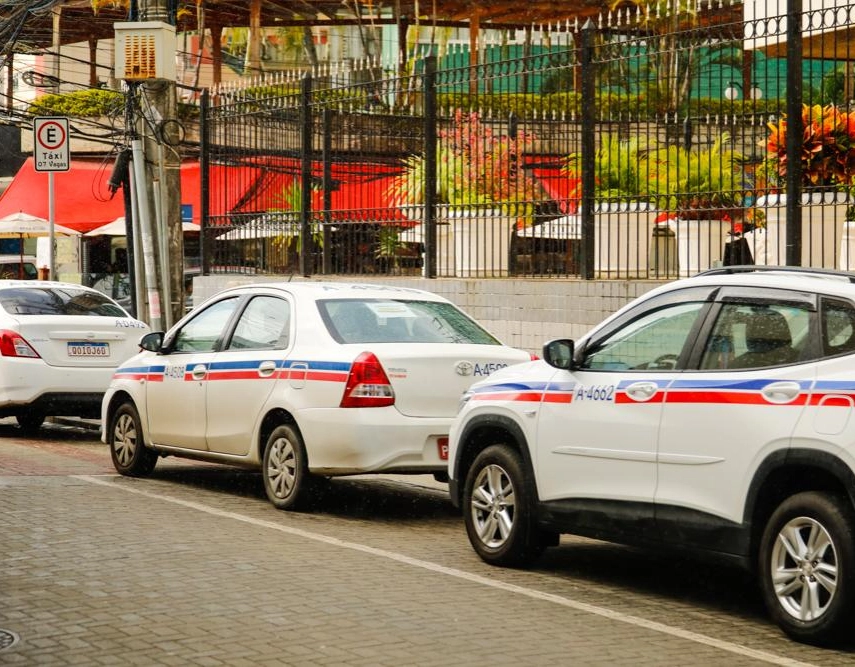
(794,132)
(306,173)
(51,235)
(152,293)
(204,181)
(586,62)
(429,217)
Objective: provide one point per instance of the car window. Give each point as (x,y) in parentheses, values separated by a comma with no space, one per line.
(838,328)
(400,321)
(756,335)
(263,325)
(66,300)
(653,341)
(18,270)
(202,333)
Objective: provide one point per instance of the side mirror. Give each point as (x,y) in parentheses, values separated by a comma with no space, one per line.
(152,342)
(559,353)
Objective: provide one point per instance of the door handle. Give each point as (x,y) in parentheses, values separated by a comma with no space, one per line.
(266,369)
(781,392)
(641,391)
(199,372)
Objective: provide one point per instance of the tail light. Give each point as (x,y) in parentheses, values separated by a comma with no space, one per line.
(13,345)
(533,357)
(367,385)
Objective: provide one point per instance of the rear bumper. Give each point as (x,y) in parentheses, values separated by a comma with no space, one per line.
(353,440)
(76,404)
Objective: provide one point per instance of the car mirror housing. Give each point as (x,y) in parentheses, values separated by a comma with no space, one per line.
(559,353)
(152,342)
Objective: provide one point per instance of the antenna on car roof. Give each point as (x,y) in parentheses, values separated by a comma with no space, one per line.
(749,268)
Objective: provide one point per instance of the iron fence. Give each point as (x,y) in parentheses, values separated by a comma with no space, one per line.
(642,145)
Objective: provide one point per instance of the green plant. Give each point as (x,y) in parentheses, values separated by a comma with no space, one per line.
(709,180)
(389,245)
(291,204)
(618,168)
(80,104)
(476,166)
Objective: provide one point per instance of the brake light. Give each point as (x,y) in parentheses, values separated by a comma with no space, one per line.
(13,345)
(533,357)
(367,385)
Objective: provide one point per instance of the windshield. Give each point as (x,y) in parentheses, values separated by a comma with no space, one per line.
(58,301)
(400,321)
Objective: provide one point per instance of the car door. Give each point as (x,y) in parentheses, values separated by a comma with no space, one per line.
(176,406)
(748,389)
(600,441)
(242,375)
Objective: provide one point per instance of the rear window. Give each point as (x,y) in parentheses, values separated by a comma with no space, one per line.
(400,321)
(57,301)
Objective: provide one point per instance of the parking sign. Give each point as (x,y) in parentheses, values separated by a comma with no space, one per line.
(50,145)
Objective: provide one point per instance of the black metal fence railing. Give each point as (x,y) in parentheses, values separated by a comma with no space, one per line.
(639,146)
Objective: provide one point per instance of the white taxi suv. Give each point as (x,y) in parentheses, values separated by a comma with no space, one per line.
(59,345)
(714,415)
(302,380)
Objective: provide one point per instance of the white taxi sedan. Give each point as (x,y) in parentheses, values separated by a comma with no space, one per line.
(302,379)
(59,346)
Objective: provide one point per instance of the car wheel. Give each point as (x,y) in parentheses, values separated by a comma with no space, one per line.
(807,566)
(30,421)
(130,456)
(285,469)
(498,509)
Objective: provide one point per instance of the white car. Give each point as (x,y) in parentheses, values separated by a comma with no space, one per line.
(714,415)
(59,346)
(300,380)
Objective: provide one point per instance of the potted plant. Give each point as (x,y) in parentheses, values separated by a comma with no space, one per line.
(827,161)
(702,192)
(482,189)
(624,215)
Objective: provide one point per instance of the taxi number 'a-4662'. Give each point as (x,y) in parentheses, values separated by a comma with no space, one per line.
(595,393)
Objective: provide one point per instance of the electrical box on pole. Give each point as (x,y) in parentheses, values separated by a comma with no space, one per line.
(145,50)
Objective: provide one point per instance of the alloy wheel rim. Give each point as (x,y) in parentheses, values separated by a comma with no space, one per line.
(805,570)
(281,468)
(493,506)
(124,439)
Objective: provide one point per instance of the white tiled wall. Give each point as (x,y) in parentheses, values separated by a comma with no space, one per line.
(522,313)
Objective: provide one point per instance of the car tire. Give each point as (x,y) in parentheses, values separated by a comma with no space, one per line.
(499,509)
(30,421)
(807,567)
(285,471)
(127,449)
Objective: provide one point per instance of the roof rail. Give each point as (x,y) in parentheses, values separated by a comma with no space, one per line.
(748,268)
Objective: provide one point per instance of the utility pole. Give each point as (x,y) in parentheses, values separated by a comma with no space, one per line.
(161,134)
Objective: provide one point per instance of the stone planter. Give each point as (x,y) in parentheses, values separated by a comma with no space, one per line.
(622,233)
(482,242)
(823,220)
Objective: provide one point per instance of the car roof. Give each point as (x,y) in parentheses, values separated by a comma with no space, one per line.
(340,290)
(41,284)
(799,279)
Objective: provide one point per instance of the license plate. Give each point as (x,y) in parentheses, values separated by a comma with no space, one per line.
(442,445)
(88,349)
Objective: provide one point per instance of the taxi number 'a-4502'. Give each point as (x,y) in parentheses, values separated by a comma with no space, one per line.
(595,393)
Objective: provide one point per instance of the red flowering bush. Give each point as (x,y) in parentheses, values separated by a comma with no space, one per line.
(827,147)
(476,166)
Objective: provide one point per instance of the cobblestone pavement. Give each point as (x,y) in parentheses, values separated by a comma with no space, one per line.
(193,566)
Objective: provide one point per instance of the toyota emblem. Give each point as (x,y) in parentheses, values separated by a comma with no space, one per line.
(464,367)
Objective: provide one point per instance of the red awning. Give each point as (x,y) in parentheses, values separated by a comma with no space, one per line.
(361,201)
(82,199)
